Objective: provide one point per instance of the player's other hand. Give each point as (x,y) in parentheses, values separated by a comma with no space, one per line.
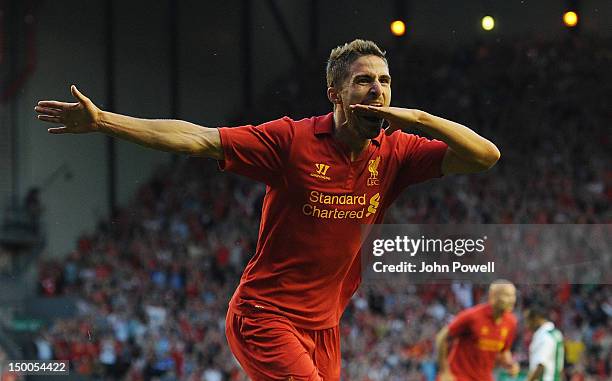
(398,118)
(514,369)
(76,118)
(445,376)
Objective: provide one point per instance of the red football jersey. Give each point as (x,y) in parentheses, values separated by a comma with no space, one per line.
(479,338)
(307,263)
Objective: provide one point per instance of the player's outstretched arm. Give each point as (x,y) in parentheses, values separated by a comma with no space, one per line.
(84,116)
(468,152)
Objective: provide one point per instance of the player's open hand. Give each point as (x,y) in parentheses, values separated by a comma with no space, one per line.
(514,369)
(76,118)
(397,117)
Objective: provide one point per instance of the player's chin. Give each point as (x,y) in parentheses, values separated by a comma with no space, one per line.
(370,126)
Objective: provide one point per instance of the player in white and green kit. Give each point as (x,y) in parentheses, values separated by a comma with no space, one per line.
(546,354)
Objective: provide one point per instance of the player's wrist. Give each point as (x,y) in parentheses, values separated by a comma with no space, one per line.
(420,116)
(100,121)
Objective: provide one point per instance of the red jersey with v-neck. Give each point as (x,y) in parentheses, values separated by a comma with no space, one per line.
(307,263)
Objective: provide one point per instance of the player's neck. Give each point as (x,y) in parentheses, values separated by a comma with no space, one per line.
(348,136)
(497,314)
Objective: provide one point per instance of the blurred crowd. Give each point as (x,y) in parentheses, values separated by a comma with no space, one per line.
(154,282)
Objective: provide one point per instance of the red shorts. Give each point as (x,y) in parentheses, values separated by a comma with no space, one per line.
(269,347)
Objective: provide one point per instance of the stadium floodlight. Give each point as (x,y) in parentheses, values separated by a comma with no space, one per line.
(488,23)
(570,19)
(398,28)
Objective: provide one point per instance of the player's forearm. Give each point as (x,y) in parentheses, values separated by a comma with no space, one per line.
(505,359)
(507,362)
(163,134)
(466,143)
(536,374)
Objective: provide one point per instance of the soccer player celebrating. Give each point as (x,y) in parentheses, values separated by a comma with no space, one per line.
(546,353)
(480,336)
(326,176)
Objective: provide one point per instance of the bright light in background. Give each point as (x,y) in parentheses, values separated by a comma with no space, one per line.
(398,28)
(570,19)
(488,23)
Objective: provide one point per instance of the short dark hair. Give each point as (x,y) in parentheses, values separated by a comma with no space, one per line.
(341,58)
(538,306)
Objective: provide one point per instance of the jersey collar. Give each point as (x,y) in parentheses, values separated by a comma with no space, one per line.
(325,125)
(489,312)
(546,326)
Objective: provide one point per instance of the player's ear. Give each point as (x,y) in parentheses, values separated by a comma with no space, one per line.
(333,95)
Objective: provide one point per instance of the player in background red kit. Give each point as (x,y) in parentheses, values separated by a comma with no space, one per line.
(480,336)
(326,176)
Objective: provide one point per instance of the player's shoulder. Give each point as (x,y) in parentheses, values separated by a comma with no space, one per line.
(400,141)
(398,136)
(286,125)
(482,309)
(282,122)
(474,311)
(549,330)
(314,125)
(310,121)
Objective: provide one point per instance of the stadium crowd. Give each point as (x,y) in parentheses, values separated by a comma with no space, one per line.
(155,281)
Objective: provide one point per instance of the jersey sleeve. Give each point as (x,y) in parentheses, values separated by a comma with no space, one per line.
(461,324)
(420,159)
(258,152)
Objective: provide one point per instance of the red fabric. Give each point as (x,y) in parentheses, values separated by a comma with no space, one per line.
(478,339)
(222,256)
(179,360)
(269,347)
(307,263)
(8,376)
(565,292)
